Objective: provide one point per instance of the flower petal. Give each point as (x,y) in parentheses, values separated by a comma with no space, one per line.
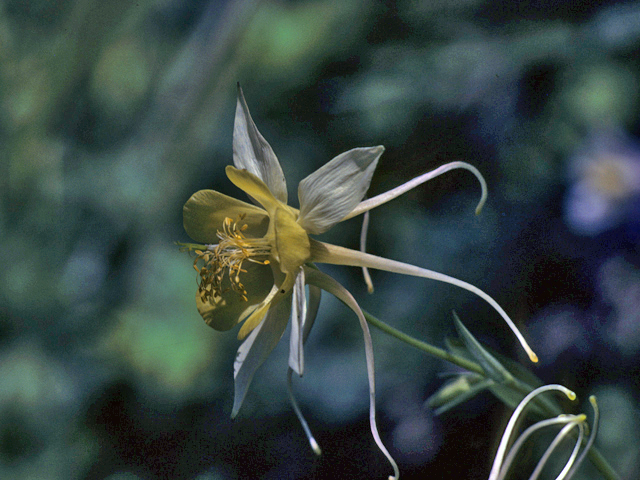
(205,211)
(502,448)
(335,189)
(292,241)
(592,438)
(255,188)
(256,315)
(296,408)
(230,308)
(256,348)
(298,314)
(253,153)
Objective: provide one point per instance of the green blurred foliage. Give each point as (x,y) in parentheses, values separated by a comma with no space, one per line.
(113,113)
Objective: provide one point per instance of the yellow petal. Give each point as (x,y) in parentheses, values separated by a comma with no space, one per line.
(256,316)
(255,188)
(230,308)
(280,291)
(254,320)
(205,211)
(292,242)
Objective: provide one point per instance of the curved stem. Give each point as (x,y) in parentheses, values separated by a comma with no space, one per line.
(425,347)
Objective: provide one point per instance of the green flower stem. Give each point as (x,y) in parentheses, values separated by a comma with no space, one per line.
(425,347)
(598,460)
(594,454)
(187,247)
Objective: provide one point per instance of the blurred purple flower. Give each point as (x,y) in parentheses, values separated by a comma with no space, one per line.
(558,329)
(605,183)
(619,283)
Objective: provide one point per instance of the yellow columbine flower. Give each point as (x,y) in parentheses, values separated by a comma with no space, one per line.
(256,259)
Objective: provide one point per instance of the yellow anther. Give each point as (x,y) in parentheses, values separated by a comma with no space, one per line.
(234,248)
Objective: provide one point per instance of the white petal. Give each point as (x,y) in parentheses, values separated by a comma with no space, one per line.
(554,445)
(515,448)
(254,154)
(363,249)
(256,348)
(298,314)
(335,189)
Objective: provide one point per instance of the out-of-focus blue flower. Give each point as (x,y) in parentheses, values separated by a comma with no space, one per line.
(619,283)
(605,176)
(558,329)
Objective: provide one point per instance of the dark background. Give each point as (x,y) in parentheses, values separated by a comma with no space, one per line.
(113,113)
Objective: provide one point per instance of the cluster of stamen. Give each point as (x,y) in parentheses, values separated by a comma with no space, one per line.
(228,255)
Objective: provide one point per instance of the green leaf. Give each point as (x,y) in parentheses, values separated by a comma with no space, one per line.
(457,392)
(488,362)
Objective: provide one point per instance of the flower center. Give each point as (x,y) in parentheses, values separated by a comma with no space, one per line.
(228,256)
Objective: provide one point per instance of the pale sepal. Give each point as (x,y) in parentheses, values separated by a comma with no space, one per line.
(306,319)
(253,153)
(335,189)
(298,315)
(313,305)
(256,348)
(325,282)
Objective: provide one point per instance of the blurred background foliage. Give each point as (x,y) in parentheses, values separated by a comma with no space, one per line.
(113,113)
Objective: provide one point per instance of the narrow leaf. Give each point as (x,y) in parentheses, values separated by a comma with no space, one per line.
(461,397)
(488,362)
